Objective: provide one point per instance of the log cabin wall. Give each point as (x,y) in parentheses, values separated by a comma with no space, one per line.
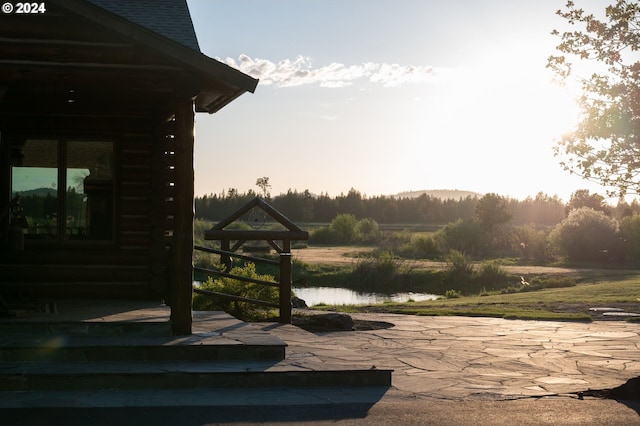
(110,70)
(64,78)
(134,264)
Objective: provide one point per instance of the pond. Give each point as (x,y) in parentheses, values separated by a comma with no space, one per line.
(344,296)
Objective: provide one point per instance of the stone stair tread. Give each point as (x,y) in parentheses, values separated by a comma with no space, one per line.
(70,368)
(178,375)
(103,345)
(75,341)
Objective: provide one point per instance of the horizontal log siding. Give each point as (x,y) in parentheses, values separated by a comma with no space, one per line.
(136,265)
(134,212)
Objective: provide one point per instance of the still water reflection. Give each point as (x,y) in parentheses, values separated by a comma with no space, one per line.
(343,296)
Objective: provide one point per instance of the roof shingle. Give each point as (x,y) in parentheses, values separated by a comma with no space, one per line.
(168,18)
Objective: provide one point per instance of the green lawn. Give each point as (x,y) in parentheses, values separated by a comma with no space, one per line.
(567,304)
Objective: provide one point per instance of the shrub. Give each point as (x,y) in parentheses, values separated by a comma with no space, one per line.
(242,310)
(324,235)
(491,276)
(462,236)
(397,241)
(425,247)
(586,235)
(531,244)
(382,271)
(344,225)
(367,230)
(630,237)
(461,275)
(460,272)
(199,228)
(552,282)
(452,294)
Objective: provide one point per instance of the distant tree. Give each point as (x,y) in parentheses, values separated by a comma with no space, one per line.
(492,211)
(530,243)
(264,185)
(604,145)
(352,203)
(462,235)
(582,198)
(541,210)
(586,235)
(325,208)
(630,237)
(344,225)
(368,230)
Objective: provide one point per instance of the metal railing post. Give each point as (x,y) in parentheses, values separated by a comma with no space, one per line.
(285,288)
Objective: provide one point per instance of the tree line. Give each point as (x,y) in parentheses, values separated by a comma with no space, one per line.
(541,210)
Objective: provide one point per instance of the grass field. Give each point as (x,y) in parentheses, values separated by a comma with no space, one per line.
(596,288)
(561,304)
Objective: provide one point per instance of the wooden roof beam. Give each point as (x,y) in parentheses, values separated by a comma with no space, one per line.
(62,42)
(87,65)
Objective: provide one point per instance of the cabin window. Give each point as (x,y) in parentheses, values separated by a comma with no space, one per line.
(66,189)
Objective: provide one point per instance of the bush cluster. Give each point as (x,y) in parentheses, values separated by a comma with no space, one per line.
(346,229)
(242,310)
(380,272)
(461,275)
(585,236)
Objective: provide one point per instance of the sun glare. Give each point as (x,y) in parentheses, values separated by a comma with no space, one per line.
(559,109)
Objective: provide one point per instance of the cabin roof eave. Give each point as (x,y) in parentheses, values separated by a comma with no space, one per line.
(218,83)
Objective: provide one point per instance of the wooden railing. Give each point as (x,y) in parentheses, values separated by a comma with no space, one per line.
(283,284)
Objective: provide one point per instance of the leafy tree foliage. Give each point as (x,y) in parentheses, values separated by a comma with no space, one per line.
(530,243)
(462,236)
(542,210)
(368,230)
(306,207)
(264,185)
(492,211)
(630,237)
(604,146)
(242,310)
(587,235)
(582,198)
(344,225)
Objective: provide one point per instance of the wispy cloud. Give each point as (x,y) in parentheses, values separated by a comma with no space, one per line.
(300,71)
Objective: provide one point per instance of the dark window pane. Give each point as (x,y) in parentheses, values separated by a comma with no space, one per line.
(34,176)
(89,190)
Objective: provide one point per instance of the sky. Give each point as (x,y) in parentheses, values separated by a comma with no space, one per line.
(387,96)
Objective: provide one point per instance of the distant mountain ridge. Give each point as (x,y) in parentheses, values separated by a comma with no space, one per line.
(443,194)
(39,192)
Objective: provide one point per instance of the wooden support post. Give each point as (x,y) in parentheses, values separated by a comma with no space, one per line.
(225,259)
(285,288)
(183,239)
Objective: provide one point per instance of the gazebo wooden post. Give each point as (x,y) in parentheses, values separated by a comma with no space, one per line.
(225,259)
(183,239)
(285,288)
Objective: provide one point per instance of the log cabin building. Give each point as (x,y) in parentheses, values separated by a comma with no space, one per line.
(97,104)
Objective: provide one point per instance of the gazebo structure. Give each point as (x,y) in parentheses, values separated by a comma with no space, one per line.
(97,104)
(256,212)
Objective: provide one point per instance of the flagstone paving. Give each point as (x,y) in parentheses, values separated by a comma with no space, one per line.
(463,358)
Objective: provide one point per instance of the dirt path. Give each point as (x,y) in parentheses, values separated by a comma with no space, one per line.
(329,255)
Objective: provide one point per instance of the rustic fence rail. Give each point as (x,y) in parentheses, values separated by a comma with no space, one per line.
(283,284)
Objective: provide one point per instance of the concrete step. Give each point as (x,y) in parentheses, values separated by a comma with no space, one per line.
(68,376)
(107,345)
(212,346)
(84,328)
